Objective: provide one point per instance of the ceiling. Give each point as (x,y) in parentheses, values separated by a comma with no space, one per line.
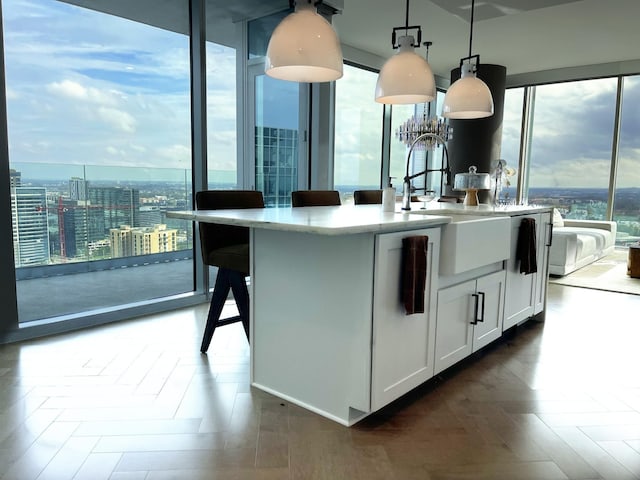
(523,35)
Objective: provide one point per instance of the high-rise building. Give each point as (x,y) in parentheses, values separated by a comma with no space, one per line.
(121,205)
(78,188)
(150,215)
(127,241)
(80,225)
(276,164)
(30,226)
(15,179)
(156,239)
(121,241)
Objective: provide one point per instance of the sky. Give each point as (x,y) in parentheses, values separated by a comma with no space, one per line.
(84,88)
(573,127)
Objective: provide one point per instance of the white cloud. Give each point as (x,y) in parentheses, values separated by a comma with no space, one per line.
(174,154)
(117,119)
(74,90)
(111,150)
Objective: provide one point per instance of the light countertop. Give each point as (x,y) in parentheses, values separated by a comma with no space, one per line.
(445,208)
(345,219)
(348,219)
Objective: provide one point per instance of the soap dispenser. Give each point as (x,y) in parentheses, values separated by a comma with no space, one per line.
(389,198)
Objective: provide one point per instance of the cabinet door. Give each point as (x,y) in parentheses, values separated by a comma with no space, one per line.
(454,331)
(520,288)
(490,296)
(544,244)
(403,345)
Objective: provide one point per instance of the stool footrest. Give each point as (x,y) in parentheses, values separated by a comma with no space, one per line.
(226,280)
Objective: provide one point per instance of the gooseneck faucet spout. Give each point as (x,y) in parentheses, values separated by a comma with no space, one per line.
(445,170)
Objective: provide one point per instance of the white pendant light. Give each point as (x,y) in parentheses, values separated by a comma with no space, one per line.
(304,47)
(468,97)
(406,78)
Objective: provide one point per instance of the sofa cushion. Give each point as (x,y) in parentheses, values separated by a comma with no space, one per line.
(599,239)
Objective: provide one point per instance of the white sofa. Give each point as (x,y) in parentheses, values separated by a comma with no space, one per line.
(577,243)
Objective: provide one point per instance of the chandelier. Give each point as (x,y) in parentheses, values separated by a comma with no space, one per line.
(419,124)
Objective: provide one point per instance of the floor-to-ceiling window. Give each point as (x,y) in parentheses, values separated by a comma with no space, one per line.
(358,132)
(570,155)
(626,204)
(100,150)
(510,147)
(276,122)
(222,135)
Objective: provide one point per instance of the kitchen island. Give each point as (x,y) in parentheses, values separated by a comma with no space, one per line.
(328,328)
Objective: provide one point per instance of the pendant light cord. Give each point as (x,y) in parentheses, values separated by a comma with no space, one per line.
(473,3)
(406,20)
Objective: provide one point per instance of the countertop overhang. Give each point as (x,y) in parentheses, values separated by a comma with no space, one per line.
(345,219)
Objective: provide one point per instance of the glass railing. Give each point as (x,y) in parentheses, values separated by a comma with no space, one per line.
(93,237)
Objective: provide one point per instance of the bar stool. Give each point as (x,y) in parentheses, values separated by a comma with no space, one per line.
(226,247)
(315,198)
(367,197)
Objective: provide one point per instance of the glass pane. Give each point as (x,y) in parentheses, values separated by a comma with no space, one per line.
(626,204)
(510,148)
(571,147)
(100,150)
(276,139)
(222,161)
(260,31)
(399,150)
(358,132)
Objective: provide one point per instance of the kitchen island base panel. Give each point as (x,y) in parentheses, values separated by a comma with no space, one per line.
(311,320)
(353,417)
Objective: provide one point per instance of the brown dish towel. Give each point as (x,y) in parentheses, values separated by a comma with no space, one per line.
(526,248)
(414,272)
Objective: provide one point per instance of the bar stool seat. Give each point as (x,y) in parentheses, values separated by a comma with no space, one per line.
(226,247)
(367,197)
(234,257)
(315,198)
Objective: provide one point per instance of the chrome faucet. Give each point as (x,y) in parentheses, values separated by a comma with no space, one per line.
(445,171)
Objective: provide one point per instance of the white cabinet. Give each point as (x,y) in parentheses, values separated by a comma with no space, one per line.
(403,345)
(542,278)
(469,316)
(526,293)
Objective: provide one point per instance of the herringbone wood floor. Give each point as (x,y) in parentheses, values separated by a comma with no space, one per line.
(136,400)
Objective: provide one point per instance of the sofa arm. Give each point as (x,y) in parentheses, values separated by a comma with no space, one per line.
(601,224)
(563,248)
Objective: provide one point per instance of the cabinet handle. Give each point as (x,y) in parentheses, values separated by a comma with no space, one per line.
(475,309)
(481,319)
(550,240)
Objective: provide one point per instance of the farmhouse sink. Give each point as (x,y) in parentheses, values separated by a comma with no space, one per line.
(472,241)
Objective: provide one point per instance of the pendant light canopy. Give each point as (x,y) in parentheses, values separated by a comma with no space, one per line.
(468,97)
(406,78)
(304,47)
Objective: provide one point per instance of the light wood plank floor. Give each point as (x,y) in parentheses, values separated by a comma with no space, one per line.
(136,400)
